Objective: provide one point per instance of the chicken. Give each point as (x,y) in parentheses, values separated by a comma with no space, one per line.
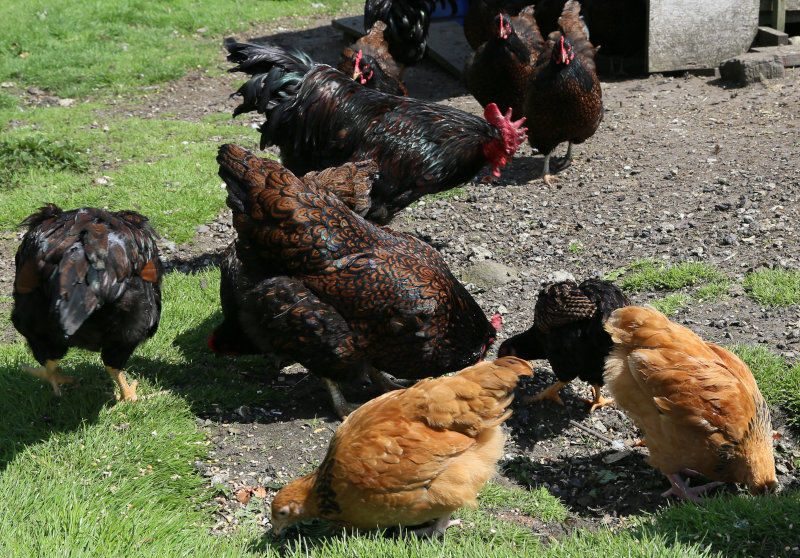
(697,404)
(478,26)
(407,23)
(86,278)
(564,102)
(499,71)
(568,331)
(368,61)
(351,183)
(320,118)
(409,456)
(322,286)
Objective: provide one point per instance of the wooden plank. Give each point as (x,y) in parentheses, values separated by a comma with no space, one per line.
(351,27)
(448,47)
(686,34)
(789,55)
(767,36)
(778,16)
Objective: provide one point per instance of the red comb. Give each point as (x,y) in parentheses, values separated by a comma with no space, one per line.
(210,343)
(513,136)
(497,322)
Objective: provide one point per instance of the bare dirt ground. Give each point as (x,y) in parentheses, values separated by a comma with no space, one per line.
(683,167)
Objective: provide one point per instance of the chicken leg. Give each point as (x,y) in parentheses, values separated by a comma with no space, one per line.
(437,528)
(340,404)
(128,392)
(550,393)
(50,373)
(598,399)
(681,489)
(559,165)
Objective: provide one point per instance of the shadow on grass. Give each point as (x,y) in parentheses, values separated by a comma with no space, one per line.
(32,413)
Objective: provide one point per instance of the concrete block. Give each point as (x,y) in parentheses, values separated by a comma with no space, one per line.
(789,55)
(752,67)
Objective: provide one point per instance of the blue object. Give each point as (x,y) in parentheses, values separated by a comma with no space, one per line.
(443,13)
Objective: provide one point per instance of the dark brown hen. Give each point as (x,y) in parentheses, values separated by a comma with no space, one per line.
(478,27)
(369,62)
(568,331)
(322,286)
(499,71)
(86,278)
(565,102)
(320,118)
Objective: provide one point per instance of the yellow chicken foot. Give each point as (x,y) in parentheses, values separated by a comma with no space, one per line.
(386,381)
(49,373)
(597,400)
(437,528)
(128,391)
(340,404)
(550,393)
(681,489)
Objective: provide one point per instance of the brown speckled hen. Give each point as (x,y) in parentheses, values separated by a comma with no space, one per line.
(565,102)
(368,61)
(697,404)
(337,293)
(86,278)
(568,331)
(410,456)
(320,118)
(499,71)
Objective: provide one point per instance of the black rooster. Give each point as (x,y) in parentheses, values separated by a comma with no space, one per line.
(320,118)
(568,331)
(315,283)
(86,278)
(407,23)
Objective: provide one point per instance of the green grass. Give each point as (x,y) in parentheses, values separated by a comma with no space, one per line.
(36,151)
(575,247)
(165,169)
(671,303)
(774,287)
(778,381)
(76,47)
(713,291)
(534,503)
(649,275)
(734,525)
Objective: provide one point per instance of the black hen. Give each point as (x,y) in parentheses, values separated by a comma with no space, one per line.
(568,331)
(407,23)
(86,278)
(320,118)
(320,285)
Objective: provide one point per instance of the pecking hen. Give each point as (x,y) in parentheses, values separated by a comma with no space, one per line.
(322,286)
(564,102)
(407,24)
(698,406)
(368,61)
(568,331)
(320,118)
(409,456)
(499,71)
(86,278)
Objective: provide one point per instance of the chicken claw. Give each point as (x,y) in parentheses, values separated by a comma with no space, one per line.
(128,391)
(598,399)
(681,489)
(343,408)
(387,382)
(49,373)
(550,393)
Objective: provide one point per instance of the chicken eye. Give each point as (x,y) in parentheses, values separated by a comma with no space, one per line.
(282,513)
